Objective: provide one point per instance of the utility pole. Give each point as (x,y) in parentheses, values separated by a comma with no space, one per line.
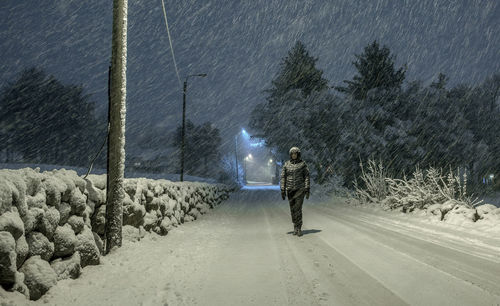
(183,132)
(116,148)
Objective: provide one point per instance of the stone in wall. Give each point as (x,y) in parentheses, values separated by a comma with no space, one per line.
(22,250)
(8,267)
(76,223)
(39,245)
(38,276)
(64,241)
(12,223)
(48,222)
(67,267)
(87,247)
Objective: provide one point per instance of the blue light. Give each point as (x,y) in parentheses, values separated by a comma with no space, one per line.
(245,134)
(261,143)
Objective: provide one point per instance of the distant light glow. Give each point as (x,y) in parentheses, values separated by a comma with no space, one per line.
(245,134)
(258,144)
(492,176)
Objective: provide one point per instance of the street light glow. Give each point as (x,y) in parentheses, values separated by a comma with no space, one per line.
(245,134)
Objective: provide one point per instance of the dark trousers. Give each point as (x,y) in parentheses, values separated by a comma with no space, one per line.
(296,198)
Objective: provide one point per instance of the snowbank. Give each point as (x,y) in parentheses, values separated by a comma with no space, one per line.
(52,223)
(483,218)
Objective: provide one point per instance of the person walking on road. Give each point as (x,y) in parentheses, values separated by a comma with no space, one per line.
(295,183)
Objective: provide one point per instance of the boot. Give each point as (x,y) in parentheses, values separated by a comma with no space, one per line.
(294,230)
(299,232)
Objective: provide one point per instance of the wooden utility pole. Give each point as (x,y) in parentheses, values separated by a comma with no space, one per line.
(117,110)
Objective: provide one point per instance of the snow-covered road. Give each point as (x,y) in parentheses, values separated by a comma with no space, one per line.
(243,253)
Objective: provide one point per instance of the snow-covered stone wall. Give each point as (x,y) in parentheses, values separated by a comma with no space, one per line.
(52,223)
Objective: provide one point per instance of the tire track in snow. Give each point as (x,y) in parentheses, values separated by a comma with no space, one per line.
(387,260)
(336,280)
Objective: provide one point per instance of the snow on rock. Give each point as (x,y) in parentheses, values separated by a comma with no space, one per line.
(22,250)
(485,210)
(6,196)
(435,210)
(99,243)
(12,223)
(99,181)
(131,233)
(99,220)
(95,194)
(38,276)
(448,205)
(150,221)
(133,214)
(165,226)
(64,241)
(203,208)
(48,222)
(87,247)
(20,286)
(54,188)
(38,200)
(32,218)
(76,223)
(67,267)
(460,214)
(7,258)
(67,183)
(33,180)
(64,212)
(39,245)
(195,213)
(78,202)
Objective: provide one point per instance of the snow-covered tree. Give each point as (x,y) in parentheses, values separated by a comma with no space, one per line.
(281,119)
(375,70)
(46,121)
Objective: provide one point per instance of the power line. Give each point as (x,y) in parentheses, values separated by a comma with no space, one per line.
(171,47)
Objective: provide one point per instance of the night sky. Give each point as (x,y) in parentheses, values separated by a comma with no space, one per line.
(239,44)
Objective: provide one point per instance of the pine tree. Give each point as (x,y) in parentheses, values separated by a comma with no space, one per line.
(298,71)
(375,70)
(279,119)
(45,121)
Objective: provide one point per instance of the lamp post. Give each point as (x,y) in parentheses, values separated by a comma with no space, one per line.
(183,132)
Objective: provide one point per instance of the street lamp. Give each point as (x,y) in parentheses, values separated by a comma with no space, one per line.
(183,133)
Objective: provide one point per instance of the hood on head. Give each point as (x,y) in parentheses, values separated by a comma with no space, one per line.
(294,150)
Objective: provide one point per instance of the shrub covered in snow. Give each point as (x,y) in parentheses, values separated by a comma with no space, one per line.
(52,223)
(375,186)
(443,197)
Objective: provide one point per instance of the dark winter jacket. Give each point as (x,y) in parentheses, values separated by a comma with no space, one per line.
(294,175)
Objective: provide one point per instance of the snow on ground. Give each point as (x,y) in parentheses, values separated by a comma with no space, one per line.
(243,253)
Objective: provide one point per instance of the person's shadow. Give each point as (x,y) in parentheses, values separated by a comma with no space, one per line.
(307,232)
